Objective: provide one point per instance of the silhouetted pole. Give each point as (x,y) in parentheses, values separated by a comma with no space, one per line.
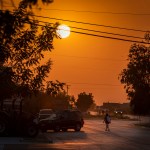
(67,88)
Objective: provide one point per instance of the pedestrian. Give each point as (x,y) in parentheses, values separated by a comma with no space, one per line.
(107,121)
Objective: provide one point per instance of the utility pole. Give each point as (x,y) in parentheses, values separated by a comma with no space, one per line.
(67,88)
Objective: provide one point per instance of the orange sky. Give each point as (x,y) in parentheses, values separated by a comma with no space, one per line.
(92,64)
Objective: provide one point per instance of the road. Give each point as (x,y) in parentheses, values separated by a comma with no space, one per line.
(124,135)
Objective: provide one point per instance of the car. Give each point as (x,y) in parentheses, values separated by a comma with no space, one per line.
(118,113)
(63,120)
(44,113)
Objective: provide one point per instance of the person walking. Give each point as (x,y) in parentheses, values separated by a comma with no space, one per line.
(107,121)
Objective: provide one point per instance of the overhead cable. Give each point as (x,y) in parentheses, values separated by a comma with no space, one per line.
(92,24)
(100,31)
(99,12)
(96,35)
(114,38)
(89,11)
(95,84)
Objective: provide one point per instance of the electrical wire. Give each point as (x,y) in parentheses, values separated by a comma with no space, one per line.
(100,31)
(84,83)
(99,12)
(106,32)
(87,23)
(114,38)
(106,36)
(92,24)
(88,11)
(94,58)
(96,35)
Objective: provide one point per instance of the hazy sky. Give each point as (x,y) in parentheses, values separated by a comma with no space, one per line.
(92,64)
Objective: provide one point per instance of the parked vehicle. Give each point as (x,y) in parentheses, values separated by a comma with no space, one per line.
(45,113)
(17,122)
(64,120)
(118,112)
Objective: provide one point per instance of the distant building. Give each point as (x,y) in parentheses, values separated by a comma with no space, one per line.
(111,107)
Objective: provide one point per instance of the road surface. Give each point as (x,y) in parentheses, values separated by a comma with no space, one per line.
(124,135)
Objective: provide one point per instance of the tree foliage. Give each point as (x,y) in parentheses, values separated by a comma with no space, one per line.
(54,88)
(84,101)
(29,3)
(22,46)
(136,78)
(59,101)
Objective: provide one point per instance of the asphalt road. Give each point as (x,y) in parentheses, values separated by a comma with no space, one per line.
(124,135)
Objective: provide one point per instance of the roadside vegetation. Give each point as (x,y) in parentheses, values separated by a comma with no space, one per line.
(22,74)
(136,77)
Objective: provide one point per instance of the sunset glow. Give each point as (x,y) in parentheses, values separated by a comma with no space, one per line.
(63,31)
(89,63)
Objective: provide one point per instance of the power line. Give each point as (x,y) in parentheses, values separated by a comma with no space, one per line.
(107,36)
(96,35)
(114,38)
(99,12)
(107,32)
(97,31)
(92,24)
(95,58)
(89,11)
(94,84)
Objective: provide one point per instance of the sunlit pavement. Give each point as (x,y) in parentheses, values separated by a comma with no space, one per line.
(123,136)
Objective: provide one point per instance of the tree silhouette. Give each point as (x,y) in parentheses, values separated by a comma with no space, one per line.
(54,88)
(29,3)
(59,101)
(22,46)
(136,77)
(84,101)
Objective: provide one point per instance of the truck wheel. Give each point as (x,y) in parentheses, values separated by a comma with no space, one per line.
(57,128)
(64,129)
(3,126)
(77,127)
(32,130)
(43,130)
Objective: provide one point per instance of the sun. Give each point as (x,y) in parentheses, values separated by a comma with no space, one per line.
(63,31)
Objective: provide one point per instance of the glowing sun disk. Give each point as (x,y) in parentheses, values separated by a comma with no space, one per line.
(63,31)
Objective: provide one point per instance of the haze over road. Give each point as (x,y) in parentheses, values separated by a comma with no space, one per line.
(123,136)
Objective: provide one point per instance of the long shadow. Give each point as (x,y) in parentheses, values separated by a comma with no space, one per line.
(68,135)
